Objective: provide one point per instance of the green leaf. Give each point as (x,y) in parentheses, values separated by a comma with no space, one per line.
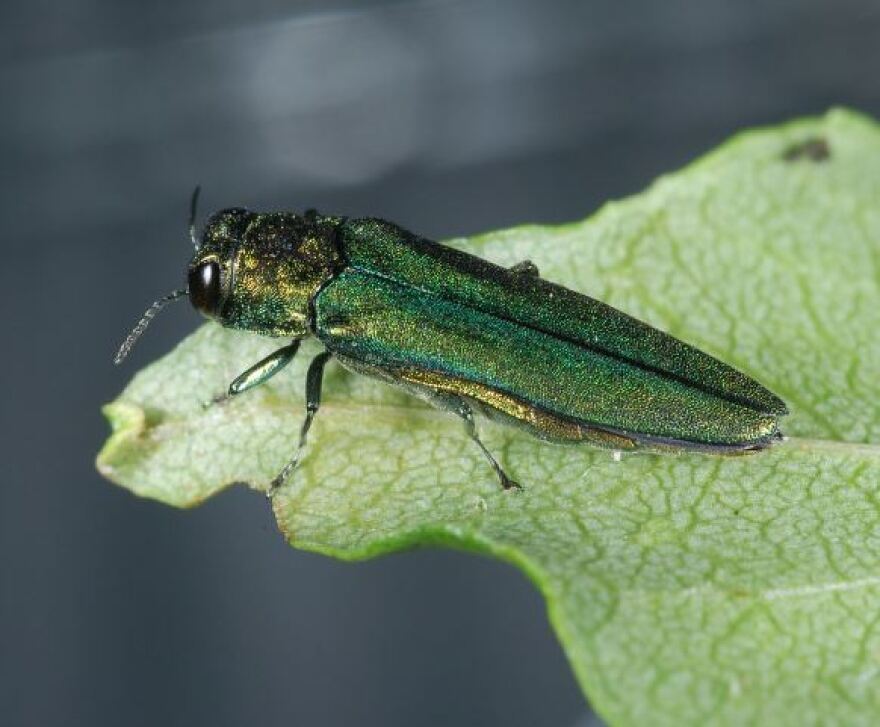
(684,588)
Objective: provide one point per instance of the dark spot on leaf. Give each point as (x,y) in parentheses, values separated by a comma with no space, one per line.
(153,416)
(816,150)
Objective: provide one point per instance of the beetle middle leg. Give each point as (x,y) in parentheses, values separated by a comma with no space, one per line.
(314,382)
(463,409)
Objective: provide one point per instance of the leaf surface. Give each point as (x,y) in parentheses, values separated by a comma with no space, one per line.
(684,588)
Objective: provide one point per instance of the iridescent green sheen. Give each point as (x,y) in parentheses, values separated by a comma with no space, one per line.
(383,324)
(386,250)
(455,328)
(273,265)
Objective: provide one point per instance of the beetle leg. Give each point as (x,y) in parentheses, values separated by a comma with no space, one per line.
(464,411)
(314,380)
(525,267)
(260,372)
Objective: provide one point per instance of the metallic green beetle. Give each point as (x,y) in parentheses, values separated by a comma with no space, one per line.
(465,335)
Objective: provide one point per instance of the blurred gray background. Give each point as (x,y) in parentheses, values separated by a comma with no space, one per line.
(447,117)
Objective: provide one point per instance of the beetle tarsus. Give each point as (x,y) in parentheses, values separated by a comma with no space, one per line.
(215,400)
(281,477)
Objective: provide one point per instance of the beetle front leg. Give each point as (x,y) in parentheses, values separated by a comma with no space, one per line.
(260,372)
(314,383)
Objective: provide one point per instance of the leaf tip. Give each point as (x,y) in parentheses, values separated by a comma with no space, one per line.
(127,422)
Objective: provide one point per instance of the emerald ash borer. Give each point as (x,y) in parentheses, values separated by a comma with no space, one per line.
(465,335)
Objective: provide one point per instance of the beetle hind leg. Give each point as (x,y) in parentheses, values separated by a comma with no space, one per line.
(525,267)
(461,407)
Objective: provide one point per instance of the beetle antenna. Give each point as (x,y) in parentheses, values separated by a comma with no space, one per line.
(142,324)
(193,208)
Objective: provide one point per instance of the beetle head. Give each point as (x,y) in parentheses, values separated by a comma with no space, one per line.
(260,271)
(257,272)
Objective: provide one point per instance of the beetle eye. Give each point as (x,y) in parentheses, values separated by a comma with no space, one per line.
(204,288)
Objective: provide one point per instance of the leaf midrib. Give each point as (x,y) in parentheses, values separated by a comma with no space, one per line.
(800,443)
